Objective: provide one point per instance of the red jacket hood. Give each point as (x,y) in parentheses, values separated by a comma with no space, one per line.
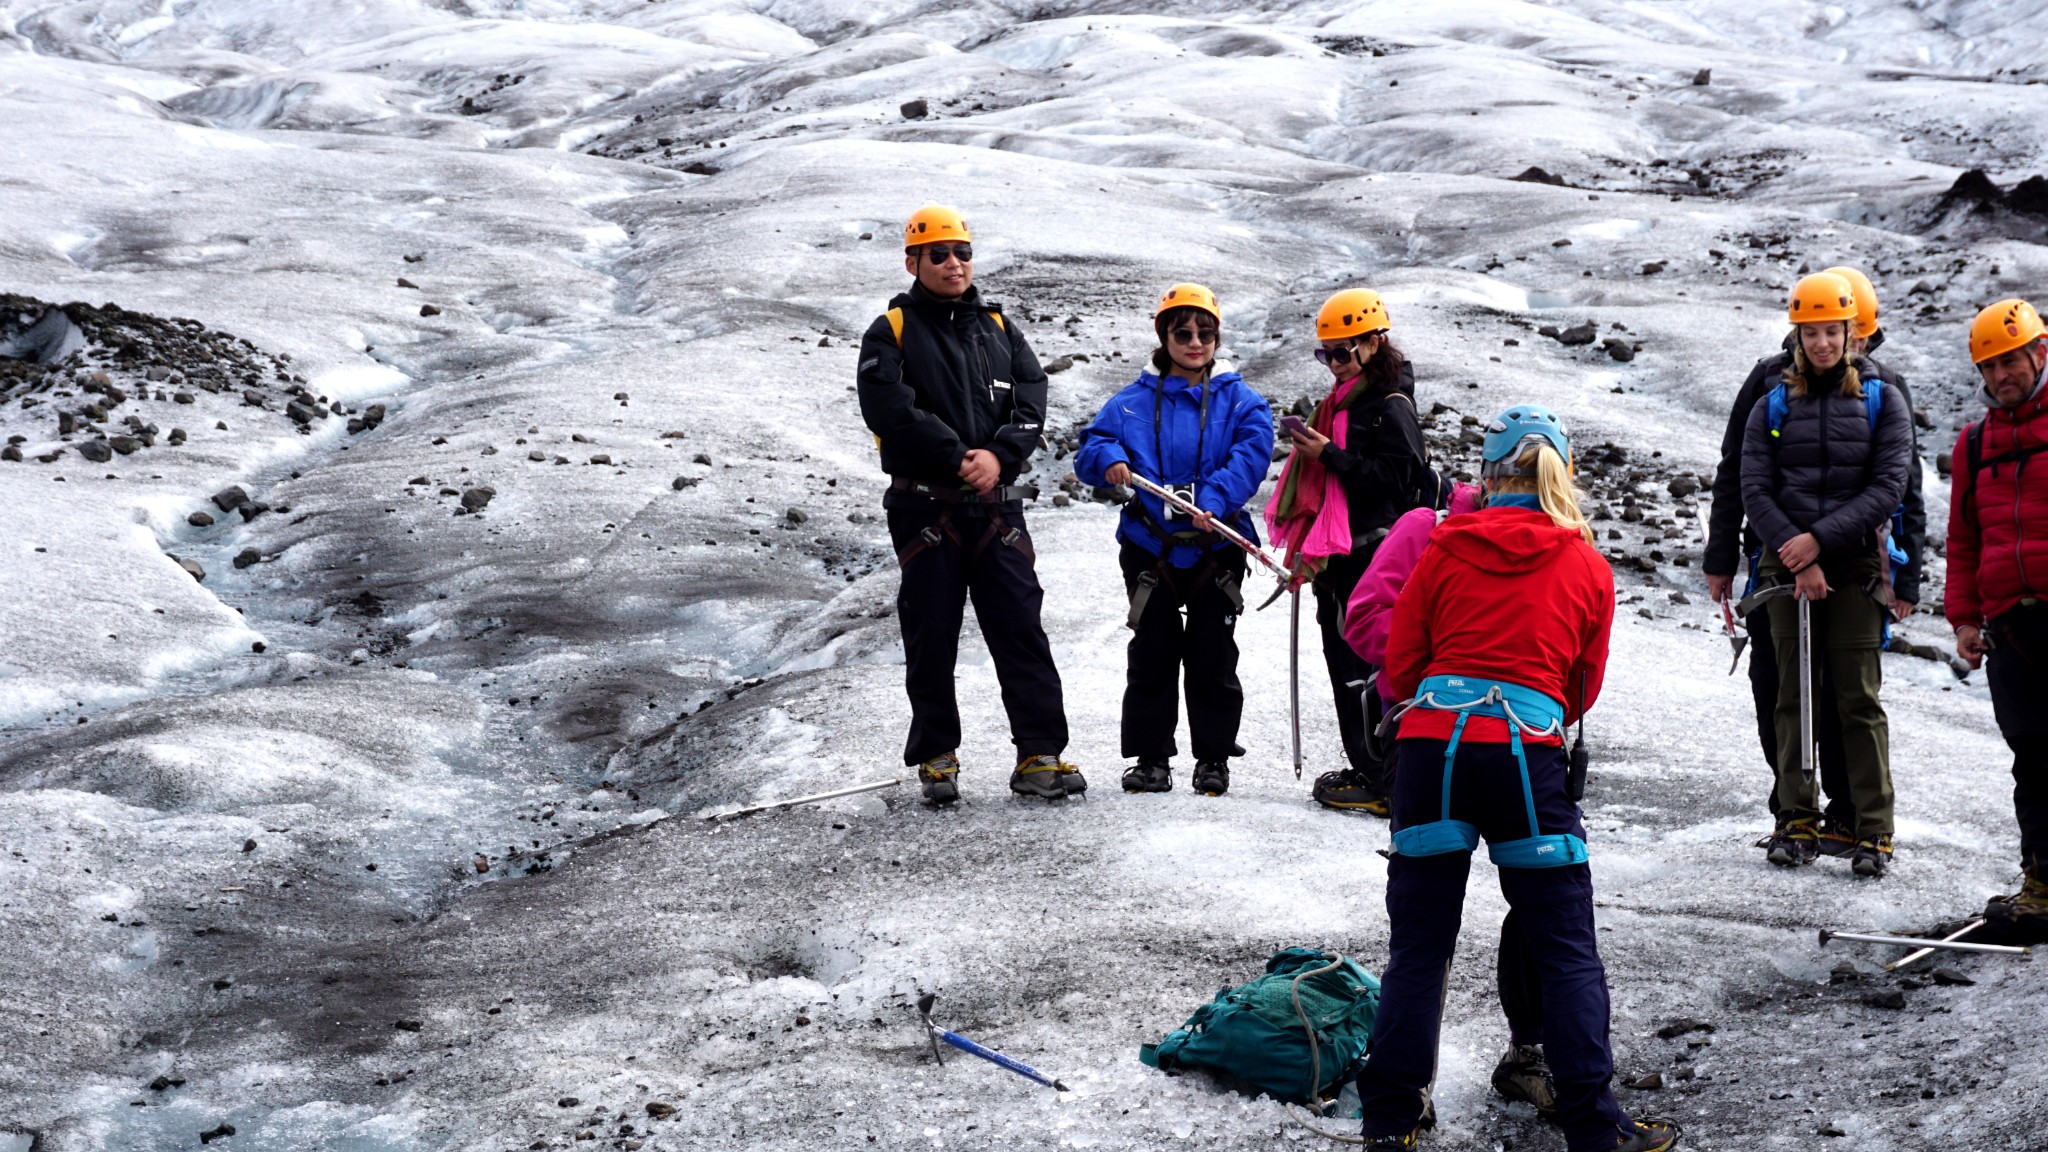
(1503,541)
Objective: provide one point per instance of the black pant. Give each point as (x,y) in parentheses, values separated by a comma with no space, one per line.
(1333,593)
(937,580)
(2018,671)
(1827,725)
(1203,648)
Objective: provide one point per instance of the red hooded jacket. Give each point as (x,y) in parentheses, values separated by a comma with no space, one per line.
(1504,594)
(1997,518)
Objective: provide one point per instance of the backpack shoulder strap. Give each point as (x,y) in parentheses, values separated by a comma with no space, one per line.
(996,314)
(1873,400)
(1776,405)
(896,325)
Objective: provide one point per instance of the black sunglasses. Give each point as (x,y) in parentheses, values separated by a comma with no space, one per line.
(1344,354)
(1195,335)
(940,253)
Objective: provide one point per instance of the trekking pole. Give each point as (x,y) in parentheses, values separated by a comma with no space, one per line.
(1928,950)
(1806,750)
(934,1034)
(853,791)
(1294,677)
(1951,945)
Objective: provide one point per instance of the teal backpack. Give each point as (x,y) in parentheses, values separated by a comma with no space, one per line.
(1253,1038)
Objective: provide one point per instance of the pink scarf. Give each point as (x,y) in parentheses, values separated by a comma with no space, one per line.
(1313,525)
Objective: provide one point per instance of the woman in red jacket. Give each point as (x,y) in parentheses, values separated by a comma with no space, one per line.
(1499,642)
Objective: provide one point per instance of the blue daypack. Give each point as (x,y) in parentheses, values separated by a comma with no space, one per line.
(1252,1039)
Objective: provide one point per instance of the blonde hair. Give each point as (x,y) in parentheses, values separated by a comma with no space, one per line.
(1552,487)
(1802,369)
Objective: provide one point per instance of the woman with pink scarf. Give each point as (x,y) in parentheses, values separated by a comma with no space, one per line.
(1357,465)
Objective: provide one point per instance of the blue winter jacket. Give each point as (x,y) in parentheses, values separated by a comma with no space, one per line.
(1235,454)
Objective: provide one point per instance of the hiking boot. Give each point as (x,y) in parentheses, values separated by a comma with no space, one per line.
(1149,774)
(1835,840)
(1042,776)
(1651,1136)
(1523,1074)
(1212,777)
(2029,906)
(1871,856)
(1405,1142)
(939,774)
(1795,842)
(1350,790)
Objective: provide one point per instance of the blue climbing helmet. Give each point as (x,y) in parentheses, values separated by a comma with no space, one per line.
(1511,430)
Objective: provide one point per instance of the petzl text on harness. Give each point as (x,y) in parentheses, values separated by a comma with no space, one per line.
(1524,709)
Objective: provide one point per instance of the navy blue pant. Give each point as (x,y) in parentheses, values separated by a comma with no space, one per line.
(2018,671)
(1001,579)
(1554,908)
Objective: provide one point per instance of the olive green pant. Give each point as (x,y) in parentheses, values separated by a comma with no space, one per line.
(1847,627)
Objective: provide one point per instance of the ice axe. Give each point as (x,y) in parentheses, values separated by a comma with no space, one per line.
(934,1034)
(1808,762)
(1735,641)
(1216,524)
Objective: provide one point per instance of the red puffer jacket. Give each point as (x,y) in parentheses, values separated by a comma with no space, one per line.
(1505,594)
(1998,518)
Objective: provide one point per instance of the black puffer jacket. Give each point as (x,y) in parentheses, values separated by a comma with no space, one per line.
(1826,471)
(1384,462)
(962,379)
(1729,539)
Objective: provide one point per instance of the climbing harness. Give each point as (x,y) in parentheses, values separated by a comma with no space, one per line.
(1470,696)
(999,529)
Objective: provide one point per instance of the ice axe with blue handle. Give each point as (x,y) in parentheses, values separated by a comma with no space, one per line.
(934,1034)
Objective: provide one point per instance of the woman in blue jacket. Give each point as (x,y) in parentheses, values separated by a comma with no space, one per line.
(1195,426)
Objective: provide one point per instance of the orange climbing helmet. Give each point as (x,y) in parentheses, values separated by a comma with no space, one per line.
(1188,296)
(935,224)
(1821,297)
(1352,312)
(1865,295)
(2004,326)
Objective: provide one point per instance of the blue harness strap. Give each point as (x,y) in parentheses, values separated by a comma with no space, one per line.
(1522,708)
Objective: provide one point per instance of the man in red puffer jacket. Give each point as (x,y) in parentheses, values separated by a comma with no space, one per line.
(1997,597)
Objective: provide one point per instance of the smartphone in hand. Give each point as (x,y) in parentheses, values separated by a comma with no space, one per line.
(1293,425)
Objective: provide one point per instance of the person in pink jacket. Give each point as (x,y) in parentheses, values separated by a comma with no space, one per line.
(1370,614)
(1524,1073)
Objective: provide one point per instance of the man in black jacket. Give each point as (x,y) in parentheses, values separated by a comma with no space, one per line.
(1732,544)
(956,401)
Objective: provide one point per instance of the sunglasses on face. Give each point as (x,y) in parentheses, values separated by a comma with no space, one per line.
(1344,353)
(1194,335)
(940,253)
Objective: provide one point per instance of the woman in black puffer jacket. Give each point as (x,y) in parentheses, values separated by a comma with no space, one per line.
(1821,474)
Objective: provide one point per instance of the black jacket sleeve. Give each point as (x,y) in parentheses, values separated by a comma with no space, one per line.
(1724,516)
(1760,481)
(888,404)
(1891,457)
(1016,440)
(1388,461)
(1906,580)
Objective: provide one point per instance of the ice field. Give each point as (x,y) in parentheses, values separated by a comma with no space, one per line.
(386,835)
